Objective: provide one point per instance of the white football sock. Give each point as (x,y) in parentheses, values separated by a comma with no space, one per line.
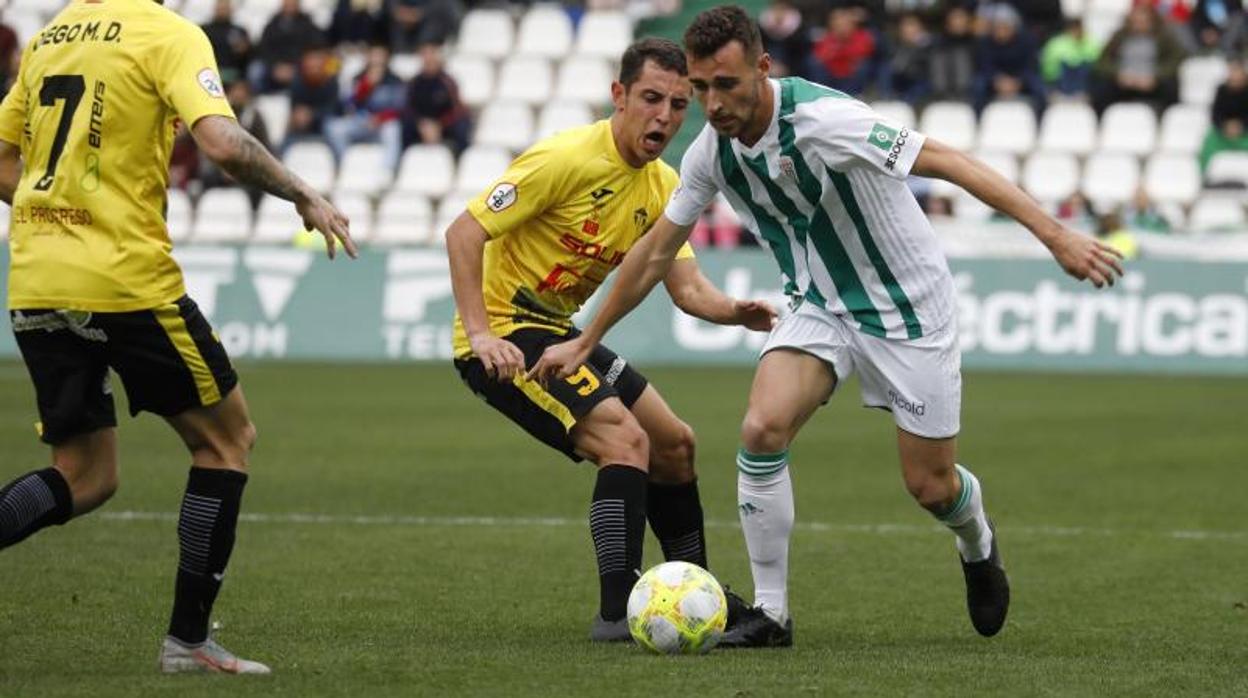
(967,520)
(765,506)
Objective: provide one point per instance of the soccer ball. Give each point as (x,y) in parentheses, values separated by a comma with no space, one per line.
(677,608)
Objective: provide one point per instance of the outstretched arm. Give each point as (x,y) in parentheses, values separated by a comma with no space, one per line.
(693,293)
(10,170)
(1081,256)
(237,152)
(465,247)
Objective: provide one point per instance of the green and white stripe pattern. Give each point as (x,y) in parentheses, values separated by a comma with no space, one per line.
(761,465)
(954,514)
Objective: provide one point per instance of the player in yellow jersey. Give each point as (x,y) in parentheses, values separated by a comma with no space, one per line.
(85,136)
(525,256)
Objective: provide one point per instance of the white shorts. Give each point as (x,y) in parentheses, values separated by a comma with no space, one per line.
(918,380)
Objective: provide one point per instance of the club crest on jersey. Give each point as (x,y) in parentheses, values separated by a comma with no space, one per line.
(641,219)
(787,168)
(882,137)
(590,226)
(210,82)
(502,197)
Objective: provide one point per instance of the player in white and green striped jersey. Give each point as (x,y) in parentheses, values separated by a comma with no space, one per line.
(819,178)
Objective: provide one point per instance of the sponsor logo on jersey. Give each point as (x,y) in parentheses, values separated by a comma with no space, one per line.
(895,151)
(601,193)
(503,196)
(641,219)
(590,226)
(210,82)
(882,136)
(915,408)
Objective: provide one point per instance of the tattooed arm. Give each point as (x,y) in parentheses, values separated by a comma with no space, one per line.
(237,152)
(10,170)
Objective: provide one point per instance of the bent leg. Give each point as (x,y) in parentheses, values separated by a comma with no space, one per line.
(82,477)
(673,506)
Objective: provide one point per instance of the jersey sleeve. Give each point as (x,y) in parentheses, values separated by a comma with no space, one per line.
(848,133)
(13,109)
(525,190)
(186,75)
(697,186)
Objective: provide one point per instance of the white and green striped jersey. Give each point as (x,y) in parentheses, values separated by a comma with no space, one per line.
(824,189)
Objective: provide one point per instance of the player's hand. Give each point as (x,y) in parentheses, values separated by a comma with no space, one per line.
(757,315)
(1086,258)
(503,360)
(321,216)
(560,360)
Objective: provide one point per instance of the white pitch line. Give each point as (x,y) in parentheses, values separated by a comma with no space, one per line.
(557,522)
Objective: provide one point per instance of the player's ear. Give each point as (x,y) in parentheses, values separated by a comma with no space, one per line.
(764,64)
(618,94)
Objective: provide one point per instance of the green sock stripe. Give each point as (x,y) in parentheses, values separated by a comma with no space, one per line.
(763,458)
(964,496)
(755,465)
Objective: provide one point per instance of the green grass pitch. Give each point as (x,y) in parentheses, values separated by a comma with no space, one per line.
(403,540)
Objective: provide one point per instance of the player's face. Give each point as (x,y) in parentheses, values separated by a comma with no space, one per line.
(729,86)
(652,110)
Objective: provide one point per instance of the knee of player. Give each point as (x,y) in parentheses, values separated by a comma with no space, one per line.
(763,434)
(929,489)
(676,453)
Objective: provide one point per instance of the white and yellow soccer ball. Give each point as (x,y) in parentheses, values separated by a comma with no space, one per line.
(677,608)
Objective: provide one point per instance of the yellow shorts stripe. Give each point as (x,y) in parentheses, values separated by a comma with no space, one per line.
(170,319)
(535,392)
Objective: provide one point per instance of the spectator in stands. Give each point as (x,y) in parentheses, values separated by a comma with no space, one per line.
(287,37)
(359,22)
(785,38)
(1068,60)
(434,112)
(953,56)
(1006,62)
(1140,63)
(230,43)
(1143,215)
(842,58)
(414,23)
(1077,212)
(1111,231)
(1229,115)
(313,96)
(1216,25)
(1040,18)
(371,111)
(249,117)
(908,66)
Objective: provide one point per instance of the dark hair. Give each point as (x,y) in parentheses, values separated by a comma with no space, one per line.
(715,28)
(665,54)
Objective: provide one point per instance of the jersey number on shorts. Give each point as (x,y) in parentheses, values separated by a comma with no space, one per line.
(57,87)
(584,381)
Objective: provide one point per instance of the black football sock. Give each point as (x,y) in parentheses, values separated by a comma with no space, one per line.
(33,501)
(617,521)
(206,538)
(675,513)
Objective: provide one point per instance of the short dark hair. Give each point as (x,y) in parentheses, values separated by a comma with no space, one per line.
(715,28)
(665,54)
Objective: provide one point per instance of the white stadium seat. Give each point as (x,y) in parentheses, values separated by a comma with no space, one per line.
(25,22)
(405,65)
(6,218)
(1183,129)
(1128,127)
(277,223)
(1110,179)
(353,62)
(527,79)
(1051,177)
(426,169)
(179,215)
(1005,164)
(313,161)
(604,34)
(1199,78)
(479,166)
(898,112)
(1227,168)
(363,169)
(505,124)
(486,32)
(359,210)
(967,207)
(1008,127)
(449,209)
(1118,7)
(197,11)
(1074,8)
(1217,214)
(585,79)
(560,116)
(1100,25)
(1172,178)
(275,110)
(402,219)
(1068,127)
(952,123)
(545,31)
(223,215)
(475,77)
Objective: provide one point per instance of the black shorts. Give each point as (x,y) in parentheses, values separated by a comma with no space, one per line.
(168,358)
(550,413)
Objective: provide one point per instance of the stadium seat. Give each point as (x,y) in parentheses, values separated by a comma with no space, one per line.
(1100,26)
(1074,8)
(967,207)
(952,123)
(526,79)
(426,169)
(479,166)
(353,63)
(545,31)
(1199,78)
(584,79)
(1068,127)
(363,170)
(1172,178)
(402,219)
(898,112)
(1229,167)
(1128,127)
(475,77)
(6,218)
(313,161)
(275,110)
(505,124)
(222,216)
(179,215)
(449,209)
(405,65)
(1004,163)
(1109,179)
(359,210)
(197,11)
(277,223)
(1217,214)
(25,22)
(1007,127)
(1183,129)
(604,34)
(1050,177)
(486,32)
(559,116)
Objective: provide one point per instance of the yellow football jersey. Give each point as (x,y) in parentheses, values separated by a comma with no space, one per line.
(93,111)
(560,219)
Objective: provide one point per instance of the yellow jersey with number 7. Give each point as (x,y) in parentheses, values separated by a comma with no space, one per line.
(94,109)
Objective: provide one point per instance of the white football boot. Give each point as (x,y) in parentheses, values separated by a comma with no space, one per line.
(208,657)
